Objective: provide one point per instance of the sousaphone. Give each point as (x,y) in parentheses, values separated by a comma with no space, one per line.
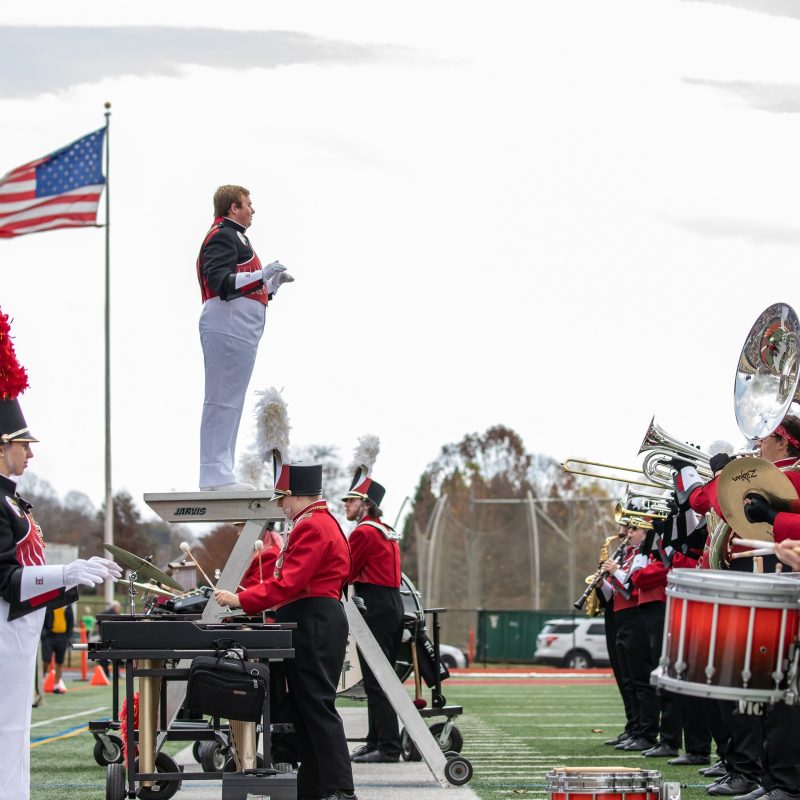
(766,384)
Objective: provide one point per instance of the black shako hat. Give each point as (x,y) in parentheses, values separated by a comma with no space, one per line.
(364,488)
(304,480)
(13,427)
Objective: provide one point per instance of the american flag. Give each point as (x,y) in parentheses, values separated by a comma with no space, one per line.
(61,190)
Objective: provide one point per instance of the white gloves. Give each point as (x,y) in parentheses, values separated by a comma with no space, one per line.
(274,275)
(90,573)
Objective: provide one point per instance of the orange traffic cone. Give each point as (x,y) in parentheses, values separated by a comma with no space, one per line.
(99,678)
(50,680)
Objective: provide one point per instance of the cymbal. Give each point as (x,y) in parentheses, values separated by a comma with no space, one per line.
(747,475)
(155,589)
(144,569)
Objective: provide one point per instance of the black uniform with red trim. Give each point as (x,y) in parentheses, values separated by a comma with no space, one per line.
(226,251)
(633,651)
(309,577)
(375,576)
(21,545)
(651,582)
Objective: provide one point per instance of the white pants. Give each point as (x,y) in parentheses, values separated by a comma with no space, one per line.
(19,641)
(229,333)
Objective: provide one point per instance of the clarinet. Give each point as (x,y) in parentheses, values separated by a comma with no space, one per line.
(618,555)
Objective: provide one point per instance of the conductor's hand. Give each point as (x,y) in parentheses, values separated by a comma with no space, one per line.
(90,573)
(275,275)
(757,509)
(226,598)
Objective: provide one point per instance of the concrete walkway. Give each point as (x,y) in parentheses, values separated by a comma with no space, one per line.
(406,780)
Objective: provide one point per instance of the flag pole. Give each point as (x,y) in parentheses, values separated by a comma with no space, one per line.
(108,526)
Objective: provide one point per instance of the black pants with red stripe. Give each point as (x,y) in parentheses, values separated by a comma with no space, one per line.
(384,617)
(312,677)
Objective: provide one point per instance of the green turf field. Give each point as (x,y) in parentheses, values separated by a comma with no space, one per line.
(512,735)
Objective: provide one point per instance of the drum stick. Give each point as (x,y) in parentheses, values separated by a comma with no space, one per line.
(188,550)
(768,547)
(761,551)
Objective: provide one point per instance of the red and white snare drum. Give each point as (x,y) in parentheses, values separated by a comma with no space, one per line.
(728,635)
(603,783)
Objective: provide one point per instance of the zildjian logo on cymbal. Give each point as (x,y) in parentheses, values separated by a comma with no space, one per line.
(746,475)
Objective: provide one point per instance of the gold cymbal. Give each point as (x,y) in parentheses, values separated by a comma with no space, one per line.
(155,589)
(747,475)
(144,569)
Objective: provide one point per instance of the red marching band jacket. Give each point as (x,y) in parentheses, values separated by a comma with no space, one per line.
(314,562)
(376,558)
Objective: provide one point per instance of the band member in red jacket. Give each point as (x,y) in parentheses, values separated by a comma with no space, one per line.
(375,550)
(306,588)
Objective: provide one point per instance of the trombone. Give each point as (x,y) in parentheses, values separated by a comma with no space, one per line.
(583,473)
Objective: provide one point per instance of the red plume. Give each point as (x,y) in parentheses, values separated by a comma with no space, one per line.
(13,378)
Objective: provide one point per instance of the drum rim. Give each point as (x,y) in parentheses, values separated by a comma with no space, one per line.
(715,691)
(774,591)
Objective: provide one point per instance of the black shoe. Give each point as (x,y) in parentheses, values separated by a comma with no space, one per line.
(661,750)
(374,757)
(617,739)
(623,742)
(731,785)
(689,760)
(780,794)
(754,795)
(362,751)
(638,744)
(718,770)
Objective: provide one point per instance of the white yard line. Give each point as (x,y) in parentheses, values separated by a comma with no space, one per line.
(70,716)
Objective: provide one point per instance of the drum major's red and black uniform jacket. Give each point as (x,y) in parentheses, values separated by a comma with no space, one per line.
(226,251)
(314,562)
(375,557)
(26,583)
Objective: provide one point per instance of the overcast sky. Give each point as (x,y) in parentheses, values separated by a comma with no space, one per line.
(563,217)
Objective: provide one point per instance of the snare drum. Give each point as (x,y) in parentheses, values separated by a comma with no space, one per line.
(728,635)
(603,783)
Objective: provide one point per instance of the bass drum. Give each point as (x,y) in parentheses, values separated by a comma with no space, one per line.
(351,683)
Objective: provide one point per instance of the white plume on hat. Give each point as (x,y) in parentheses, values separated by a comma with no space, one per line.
(720,446)
(251,468)
(366,452)
(272,425)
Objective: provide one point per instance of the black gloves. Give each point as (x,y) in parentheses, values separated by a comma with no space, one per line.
(759,510)
(718,461)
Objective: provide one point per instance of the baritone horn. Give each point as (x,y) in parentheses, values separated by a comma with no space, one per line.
(661,448)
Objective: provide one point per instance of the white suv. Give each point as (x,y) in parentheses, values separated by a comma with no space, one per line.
(576,643)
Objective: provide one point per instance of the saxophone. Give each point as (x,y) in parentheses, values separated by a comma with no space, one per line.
(592,605)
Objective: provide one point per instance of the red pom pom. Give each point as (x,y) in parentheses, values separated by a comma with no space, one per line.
(13,377)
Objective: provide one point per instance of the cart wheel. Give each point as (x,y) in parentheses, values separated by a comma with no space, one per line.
(108,755)
(455,741)
(458,770)
(115,782)
(211,757)
(196,750)
(161,790)
(407,748)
